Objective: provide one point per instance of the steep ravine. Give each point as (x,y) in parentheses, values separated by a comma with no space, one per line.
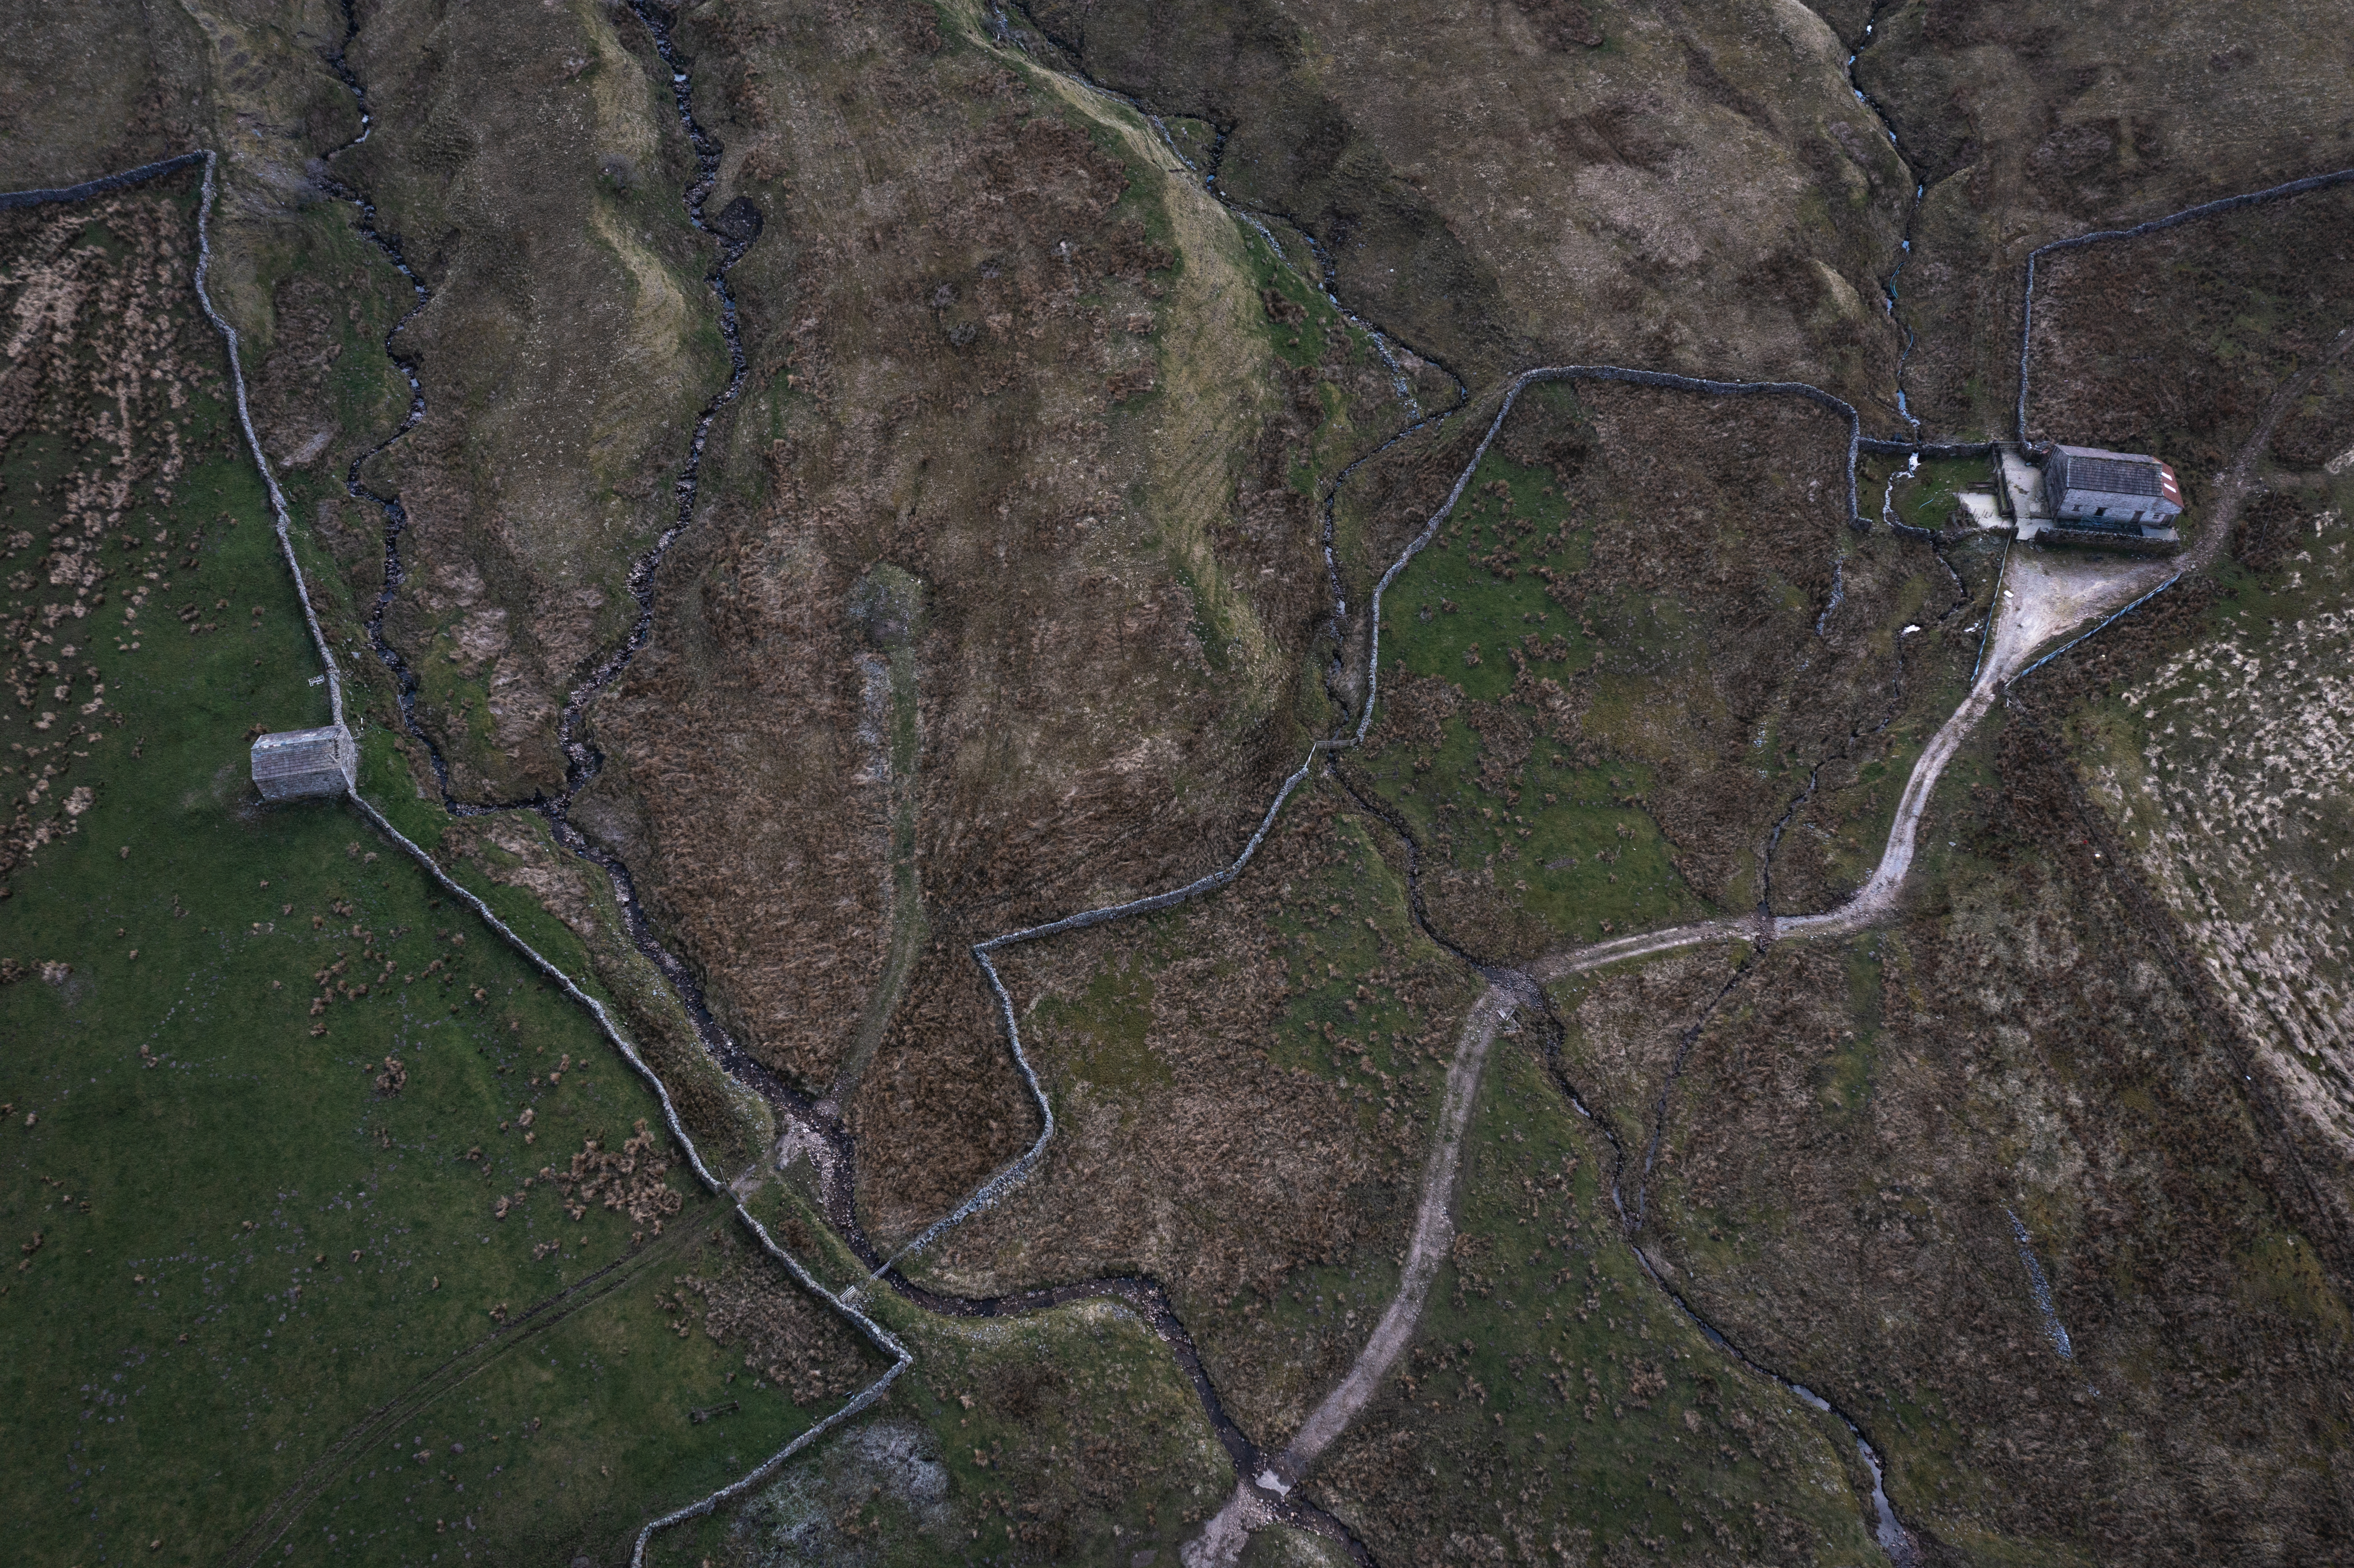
(1338,683)
(823,1136)
(810,1126)
(834,1156)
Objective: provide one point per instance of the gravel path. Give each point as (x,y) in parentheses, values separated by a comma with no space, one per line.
(1434,1233)
(2042,599)
(2041,596)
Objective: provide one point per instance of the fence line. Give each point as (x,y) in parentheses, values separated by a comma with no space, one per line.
(876,1334)
(260,459)
(2104,626)
(2188,214)
(1014,1173)
(105,184)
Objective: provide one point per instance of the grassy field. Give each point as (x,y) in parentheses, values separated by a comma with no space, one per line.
(1569,834)
(1610,710)
(1928,499)
(273,1101)
(1463,594)
(1062,1435)
(1570,666)
(1580,1409)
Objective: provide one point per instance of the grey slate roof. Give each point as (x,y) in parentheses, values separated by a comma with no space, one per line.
(2112,474)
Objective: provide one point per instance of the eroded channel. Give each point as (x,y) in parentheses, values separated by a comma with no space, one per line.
(823,1136)
(809,1128)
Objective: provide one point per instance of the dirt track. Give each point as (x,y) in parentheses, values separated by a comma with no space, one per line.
(2043,599)
(2041,596)
(1248,1506)
(1434,1232)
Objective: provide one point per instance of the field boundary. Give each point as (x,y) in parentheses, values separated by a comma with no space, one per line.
(2188,214)
(874,1333)
(994,1189)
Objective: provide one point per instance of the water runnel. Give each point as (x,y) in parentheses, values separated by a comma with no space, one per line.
(1912,212)
(2041,1289)
(1889,1531)
(396,517)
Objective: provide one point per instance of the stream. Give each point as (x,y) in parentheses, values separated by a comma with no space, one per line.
(805,1129)
(832,1155)
(822,1137)
(1889,1531)
(1912,211)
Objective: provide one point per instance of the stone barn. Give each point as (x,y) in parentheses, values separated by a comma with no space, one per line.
(302,762)
(2128,492)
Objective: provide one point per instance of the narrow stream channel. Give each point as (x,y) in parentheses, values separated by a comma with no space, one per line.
(807,1128)
(1912,211)
(396,517)
(1888,1529)
(837,1173)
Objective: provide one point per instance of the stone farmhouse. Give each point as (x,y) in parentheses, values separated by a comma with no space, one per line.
(2090,488)
(2084,496)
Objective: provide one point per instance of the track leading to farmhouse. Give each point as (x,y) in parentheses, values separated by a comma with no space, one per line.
(2040,597)
(820,1134)
(1510,993)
